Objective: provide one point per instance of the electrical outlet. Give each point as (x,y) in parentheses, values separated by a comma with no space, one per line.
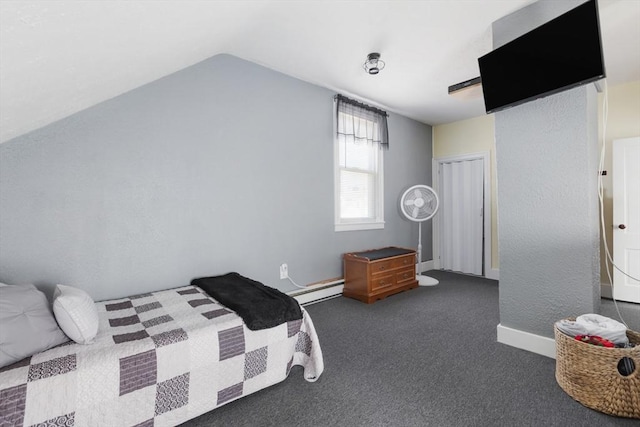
(284,271)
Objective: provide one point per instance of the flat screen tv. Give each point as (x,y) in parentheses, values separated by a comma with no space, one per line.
(561,54)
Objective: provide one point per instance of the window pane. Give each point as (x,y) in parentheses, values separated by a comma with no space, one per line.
(357,195)
(360,155)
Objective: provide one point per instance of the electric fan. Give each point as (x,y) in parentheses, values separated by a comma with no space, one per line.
(420,203)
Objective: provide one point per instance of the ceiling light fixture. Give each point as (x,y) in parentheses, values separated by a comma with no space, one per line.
(373,64)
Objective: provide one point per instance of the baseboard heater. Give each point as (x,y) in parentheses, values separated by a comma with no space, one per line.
(318,293)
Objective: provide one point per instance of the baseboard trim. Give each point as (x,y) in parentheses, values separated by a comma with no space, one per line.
(493,274)
(527,341)
(427,265)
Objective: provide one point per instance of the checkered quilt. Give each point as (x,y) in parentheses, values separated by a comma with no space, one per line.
(159,359)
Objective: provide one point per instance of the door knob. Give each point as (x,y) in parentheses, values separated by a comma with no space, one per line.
(622,226)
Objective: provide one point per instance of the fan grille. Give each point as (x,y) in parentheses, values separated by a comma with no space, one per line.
(419,203)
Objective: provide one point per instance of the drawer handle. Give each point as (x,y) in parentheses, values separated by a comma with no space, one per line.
(405,275)
(382,267)
(405,261)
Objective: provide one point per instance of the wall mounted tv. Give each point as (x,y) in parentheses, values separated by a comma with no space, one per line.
(561,54)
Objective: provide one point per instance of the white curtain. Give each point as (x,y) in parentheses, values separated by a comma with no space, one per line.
(461,216)
(359,122)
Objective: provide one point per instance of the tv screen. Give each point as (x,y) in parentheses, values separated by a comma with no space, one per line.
(561,54)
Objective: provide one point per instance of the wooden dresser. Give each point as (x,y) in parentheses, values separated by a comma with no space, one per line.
(376,274)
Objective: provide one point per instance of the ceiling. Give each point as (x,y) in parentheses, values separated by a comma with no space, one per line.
(59,57)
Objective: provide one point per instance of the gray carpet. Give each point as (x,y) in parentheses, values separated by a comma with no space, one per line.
(425,357)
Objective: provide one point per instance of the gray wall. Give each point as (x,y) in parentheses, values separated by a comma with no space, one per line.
(547,162)
(224,166)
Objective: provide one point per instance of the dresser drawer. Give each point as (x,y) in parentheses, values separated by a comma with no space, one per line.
(382,266)
(406,261)
(404,275)
(379,282)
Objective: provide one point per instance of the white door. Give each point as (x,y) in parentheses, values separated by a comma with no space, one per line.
(626,219)
(461,216)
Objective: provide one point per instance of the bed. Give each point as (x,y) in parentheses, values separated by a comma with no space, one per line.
(158,359)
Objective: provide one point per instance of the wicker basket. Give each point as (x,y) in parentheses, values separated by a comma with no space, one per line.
(590,375)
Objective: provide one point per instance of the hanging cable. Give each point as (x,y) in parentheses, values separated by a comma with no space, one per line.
(294,283)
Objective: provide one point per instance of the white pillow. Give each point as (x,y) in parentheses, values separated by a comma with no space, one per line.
(76,313)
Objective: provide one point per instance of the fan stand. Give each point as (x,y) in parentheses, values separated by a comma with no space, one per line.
(423,280)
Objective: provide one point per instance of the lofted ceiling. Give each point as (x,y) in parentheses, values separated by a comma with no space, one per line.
(59,57)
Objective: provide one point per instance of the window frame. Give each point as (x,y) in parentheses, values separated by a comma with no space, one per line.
(355,224)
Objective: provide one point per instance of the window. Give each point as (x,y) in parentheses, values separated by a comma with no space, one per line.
(361,132)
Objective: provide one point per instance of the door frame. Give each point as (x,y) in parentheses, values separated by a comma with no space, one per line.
(486,210)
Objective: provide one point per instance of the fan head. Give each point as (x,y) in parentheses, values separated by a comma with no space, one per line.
(419,203)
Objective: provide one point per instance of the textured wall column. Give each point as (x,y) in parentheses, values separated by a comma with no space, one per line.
(547,162)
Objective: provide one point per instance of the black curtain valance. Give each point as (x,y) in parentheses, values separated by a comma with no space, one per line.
(361,123)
